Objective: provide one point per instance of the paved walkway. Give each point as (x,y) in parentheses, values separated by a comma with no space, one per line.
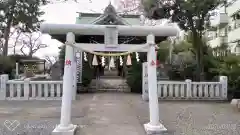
(118,114)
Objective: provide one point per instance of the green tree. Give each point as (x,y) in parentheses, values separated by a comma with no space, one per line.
(134,75)
(6,64)
(163,51)
(22,13)
(87,71)
(183,63)
(61,57)
(191,15)
(229,66)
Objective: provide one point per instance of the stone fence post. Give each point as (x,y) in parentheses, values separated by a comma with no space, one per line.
(224,82)
(26,88)
(3,86)
(189,88)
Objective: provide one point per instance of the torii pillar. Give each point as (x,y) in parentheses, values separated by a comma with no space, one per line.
(154,126)
(66,127)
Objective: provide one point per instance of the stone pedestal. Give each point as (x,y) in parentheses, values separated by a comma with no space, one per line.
(158,129)
(60,130)
(235,103)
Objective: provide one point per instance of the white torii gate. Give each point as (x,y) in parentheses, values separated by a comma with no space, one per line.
(66,127)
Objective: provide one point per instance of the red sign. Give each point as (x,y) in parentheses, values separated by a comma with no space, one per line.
(152,63)
(68,62)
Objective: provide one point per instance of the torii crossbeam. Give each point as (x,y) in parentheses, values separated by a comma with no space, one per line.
(66,127)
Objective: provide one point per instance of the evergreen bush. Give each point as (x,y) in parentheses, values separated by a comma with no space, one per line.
(87,71)
(7,66)
(134,73)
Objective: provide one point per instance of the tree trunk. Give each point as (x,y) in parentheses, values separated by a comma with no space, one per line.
(30,53)
(14,50)
(15,44)
(199,56)
(8,28)
(6,34)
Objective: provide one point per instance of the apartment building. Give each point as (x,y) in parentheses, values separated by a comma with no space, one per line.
(226,27)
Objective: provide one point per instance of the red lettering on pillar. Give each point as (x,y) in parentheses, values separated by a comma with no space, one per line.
(68,62)
(157,63)
(152,63)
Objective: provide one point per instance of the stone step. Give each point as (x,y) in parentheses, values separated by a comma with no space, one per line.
(115,79)
(94,89)
(110,74)
(112,84)
(110,77)
(110,89)
(235,103)
(114,90)
(106,87)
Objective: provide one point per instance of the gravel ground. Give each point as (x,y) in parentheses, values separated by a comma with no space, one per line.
(118,114)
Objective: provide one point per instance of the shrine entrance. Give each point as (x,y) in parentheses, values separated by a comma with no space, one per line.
(110,33)
(103,65)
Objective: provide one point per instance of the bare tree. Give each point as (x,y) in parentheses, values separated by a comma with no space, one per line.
(31,42)
(1,46)
(14,36)
(2,41)
(16,43)
(129,6)
(136,7)
(51,59)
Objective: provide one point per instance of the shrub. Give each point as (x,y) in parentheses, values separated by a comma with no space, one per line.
(87,71)
(7,66)
(61,58)
(134,73)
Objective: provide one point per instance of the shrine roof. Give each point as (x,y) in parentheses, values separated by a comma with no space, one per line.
(108,14)
(31,61)
(88,18)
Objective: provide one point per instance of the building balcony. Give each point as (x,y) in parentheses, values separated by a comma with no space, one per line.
(221,20)
(233,7)
(233,36)
(217,41)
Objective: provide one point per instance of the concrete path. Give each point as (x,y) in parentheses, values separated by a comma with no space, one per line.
(118,114)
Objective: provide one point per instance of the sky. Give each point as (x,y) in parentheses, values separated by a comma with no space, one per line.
(65,13)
